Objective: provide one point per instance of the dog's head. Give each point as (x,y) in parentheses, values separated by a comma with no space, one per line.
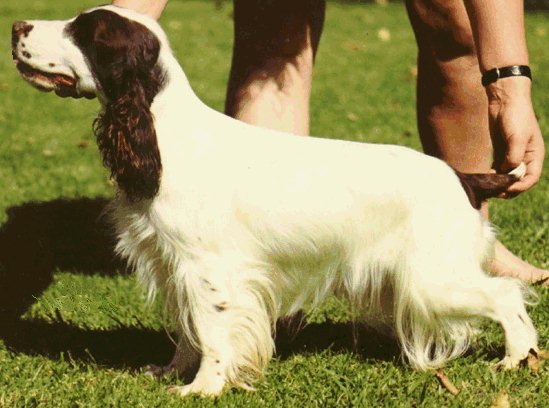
(91,54)
(112,53)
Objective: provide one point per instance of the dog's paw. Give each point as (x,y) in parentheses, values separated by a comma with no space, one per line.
(207,390)
(532,358)
(508,363)
(206,385)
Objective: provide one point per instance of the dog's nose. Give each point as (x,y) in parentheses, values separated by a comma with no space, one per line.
(20,28)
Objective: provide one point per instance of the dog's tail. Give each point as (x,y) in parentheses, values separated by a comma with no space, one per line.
(480,187)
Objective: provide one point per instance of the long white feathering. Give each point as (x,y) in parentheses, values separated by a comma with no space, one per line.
(250,225)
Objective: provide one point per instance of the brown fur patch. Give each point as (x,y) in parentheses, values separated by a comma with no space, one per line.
(123,55)
(480,187)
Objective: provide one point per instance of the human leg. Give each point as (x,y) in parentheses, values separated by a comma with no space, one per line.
(274,48)
(452,107)
(153,8)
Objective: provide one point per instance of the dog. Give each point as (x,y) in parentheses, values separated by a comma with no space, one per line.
(238,226)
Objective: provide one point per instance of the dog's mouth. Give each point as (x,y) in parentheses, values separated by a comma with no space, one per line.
(63,85)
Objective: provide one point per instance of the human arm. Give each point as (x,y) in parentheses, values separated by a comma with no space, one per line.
(498,28)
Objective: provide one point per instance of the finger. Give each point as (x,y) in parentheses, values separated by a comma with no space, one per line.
(503,195)
(521,186)
(514,154)
(498,145)
(507,196)
(534,156)
(532,176)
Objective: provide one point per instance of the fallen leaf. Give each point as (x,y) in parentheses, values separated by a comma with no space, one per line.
(412,72)
(175,24)
(353,46)
(48,153)
(83,144)
(352,117)
(535,360)
(502,401)
(384,35)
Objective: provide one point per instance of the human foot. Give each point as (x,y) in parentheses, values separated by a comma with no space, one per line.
(506,263)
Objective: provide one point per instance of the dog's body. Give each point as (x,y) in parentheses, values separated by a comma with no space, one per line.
(239,226)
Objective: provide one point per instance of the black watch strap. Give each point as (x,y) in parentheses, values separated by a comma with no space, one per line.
(491,76)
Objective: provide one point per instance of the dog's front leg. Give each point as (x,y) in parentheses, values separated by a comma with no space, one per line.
(226,309)
(211,376)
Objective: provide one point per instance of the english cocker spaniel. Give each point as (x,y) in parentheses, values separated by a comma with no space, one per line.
(239,226)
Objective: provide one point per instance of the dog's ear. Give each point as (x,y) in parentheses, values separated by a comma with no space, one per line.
(127,142)
(123,55)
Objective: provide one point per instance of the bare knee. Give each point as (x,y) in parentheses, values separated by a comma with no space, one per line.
(446,46)
(275,75)
(451,103)
(274,47)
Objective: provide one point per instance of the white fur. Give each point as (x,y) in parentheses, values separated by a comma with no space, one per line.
(251,225)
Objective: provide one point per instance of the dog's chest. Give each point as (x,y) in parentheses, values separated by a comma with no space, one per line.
(143,242)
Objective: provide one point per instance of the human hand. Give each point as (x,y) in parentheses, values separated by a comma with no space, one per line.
(515,131)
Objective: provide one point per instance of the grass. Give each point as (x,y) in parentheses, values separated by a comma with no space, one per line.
(74,328)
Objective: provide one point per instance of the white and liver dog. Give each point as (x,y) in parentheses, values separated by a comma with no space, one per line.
(239,226)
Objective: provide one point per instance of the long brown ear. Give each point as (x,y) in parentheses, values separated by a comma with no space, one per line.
(127,142)
(123,56)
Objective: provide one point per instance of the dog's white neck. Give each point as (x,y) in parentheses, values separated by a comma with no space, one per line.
(177,97)
(179,117)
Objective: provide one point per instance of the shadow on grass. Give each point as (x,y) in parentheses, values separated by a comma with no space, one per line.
(40,238)
(337,337)
(118,348)
(135,347)
(71,235)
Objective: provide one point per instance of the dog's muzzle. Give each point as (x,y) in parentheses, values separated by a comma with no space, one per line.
(63,85)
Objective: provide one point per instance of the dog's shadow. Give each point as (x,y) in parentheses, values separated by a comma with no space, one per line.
(40,238)
(71,235)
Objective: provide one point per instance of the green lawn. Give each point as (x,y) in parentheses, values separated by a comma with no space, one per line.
(74,328)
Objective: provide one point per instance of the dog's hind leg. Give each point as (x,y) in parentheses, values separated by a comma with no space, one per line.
(520,335)
(226,310)
(452,304)
(184,360)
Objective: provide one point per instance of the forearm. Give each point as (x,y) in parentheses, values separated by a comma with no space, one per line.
(153,8)
(498,28)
